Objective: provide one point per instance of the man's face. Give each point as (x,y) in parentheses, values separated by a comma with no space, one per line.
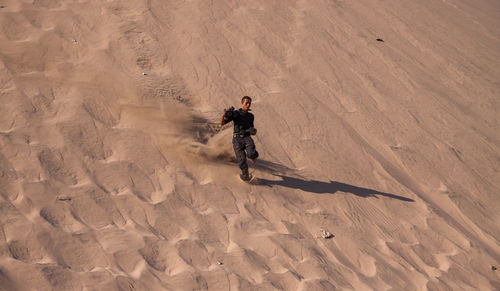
(245,104)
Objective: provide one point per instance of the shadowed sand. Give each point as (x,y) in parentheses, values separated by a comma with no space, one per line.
(331,187)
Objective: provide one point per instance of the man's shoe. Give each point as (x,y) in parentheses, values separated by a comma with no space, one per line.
(247,179)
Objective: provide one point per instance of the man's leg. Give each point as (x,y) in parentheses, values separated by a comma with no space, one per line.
(239,151)
(252,153)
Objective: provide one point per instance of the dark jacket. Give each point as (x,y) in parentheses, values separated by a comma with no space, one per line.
(243,121)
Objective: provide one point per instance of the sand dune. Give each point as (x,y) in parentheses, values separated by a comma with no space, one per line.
(378,124)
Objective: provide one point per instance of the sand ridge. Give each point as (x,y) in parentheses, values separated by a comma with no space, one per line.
(115,174)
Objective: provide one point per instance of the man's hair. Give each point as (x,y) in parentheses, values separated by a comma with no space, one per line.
(246,97)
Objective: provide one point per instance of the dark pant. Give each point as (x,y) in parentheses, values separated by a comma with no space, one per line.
(243,148)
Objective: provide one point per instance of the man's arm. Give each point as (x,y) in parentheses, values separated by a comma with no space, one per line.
(226,118)
(252,130)
(223,118)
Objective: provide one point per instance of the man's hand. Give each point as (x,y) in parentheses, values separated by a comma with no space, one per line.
(222,122)
(223,118)
(252,130)
(228,109)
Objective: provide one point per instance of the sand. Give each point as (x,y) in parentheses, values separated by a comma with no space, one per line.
(378,125)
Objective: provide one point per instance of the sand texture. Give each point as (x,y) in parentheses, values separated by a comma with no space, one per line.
(378,132)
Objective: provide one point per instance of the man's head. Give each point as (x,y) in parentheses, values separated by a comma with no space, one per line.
(246,102)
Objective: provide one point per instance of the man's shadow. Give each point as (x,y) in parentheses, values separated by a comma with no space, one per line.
(317,186)
(327,188)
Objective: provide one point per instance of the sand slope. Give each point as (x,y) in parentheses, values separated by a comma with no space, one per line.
(115,175)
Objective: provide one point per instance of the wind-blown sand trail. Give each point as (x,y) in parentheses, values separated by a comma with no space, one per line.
(115,175)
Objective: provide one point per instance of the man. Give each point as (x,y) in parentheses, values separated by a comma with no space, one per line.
(243,144)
